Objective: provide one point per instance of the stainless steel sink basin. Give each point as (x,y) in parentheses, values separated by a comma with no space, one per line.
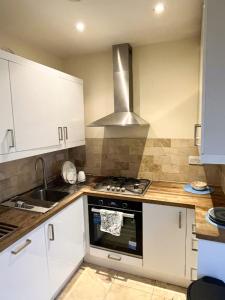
(48,195)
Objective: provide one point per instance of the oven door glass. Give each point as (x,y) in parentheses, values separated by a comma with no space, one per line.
(130,239)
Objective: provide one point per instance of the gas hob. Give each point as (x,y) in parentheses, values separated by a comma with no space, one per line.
(123,185)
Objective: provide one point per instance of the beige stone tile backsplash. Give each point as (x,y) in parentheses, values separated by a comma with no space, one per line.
(19,176)
(157,159)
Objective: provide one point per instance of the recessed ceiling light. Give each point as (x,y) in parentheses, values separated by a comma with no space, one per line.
(80,26)
(159,8)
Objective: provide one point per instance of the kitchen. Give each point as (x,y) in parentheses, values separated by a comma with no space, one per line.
(107,114)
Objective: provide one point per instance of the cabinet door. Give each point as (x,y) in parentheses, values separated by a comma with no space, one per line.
(34,97)
(6,116)
(24,274)
(164,230)
(72,112)
(213,78)
(65,244)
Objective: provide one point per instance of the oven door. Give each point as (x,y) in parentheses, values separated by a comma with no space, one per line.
(130,239)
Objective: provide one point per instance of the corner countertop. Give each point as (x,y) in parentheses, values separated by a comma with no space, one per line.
(164,193)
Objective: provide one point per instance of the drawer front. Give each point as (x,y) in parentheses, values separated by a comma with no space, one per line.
(116,257)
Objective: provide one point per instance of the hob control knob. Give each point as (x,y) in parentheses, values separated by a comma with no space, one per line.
(124,205)
(118,189)
(123,189)
(113,188)
(108,187)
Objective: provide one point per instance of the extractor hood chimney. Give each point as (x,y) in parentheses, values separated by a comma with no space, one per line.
(123,91)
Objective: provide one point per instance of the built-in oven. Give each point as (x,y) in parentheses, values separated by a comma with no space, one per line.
(130,240)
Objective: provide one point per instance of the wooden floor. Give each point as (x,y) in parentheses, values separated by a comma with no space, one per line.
(96,283)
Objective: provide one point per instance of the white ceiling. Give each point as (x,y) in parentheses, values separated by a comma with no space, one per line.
(49,24)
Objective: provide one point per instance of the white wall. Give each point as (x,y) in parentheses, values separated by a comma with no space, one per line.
(166,78)
(28,51)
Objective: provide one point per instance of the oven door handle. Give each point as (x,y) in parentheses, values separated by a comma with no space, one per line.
(131,216)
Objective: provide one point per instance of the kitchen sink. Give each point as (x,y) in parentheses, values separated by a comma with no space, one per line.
(48,195)
(39,200)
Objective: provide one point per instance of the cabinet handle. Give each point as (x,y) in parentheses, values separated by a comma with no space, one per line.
(51,233)
(114,258)
(60,132)
(17,251)
(195,134)
(12,138)
(65,132)
(180,219)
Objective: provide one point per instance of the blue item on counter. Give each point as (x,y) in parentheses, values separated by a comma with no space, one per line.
(189,189)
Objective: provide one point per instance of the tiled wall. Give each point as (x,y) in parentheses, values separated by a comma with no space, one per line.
(19,176)
(157,159)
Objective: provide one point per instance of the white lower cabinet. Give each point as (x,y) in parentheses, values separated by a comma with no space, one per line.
(24,271)
(164,240)
(38,265)
(65,244)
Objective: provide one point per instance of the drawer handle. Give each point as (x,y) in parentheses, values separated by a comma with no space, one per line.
(15,252)
(12,138)
(51,233)
(114,258)
(195,134)
(180,220)
(65,133)
(60,132)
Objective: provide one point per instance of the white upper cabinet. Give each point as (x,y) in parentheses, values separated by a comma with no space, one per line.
(213,83)
(6,117)
(34,93)
(164,241)
(72,111)
(42,109)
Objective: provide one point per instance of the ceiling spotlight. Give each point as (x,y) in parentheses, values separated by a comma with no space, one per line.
(159,8)
(80,26)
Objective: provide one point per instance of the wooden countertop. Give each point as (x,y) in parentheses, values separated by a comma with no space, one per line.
(165,193)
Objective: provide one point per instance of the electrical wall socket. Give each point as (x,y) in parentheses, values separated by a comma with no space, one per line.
(194,160)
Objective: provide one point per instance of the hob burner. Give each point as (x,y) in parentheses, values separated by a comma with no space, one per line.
(123,185)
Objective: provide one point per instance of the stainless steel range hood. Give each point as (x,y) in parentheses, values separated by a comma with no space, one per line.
(123,91)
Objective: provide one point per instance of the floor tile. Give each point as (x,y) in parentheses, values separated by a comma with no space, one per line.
(103,275)
(136,282)
(93,282)
(168,291)
(121,292)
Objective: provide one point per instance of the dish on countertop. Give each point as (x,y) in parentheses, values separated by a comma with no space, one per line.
(69,172)
(199,185)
